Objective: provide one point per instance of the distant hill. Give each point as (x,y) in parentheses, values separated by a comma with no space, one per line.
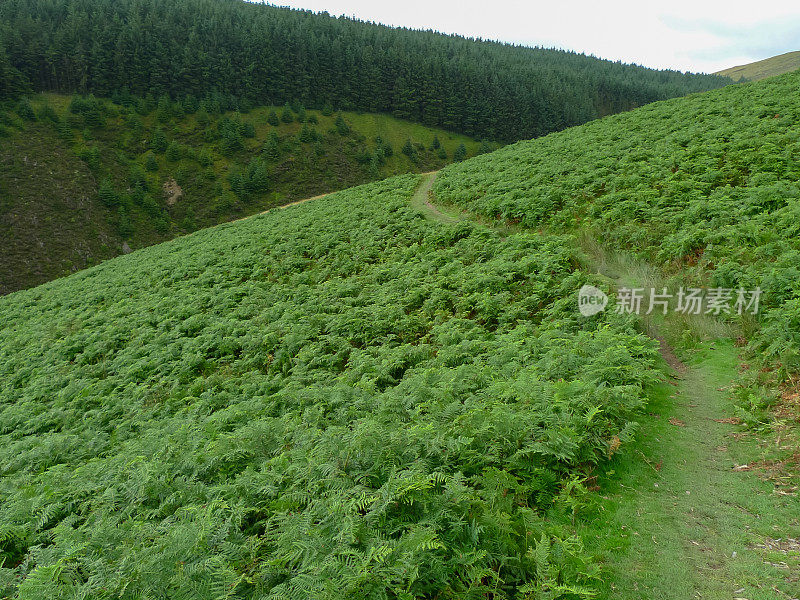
(82,178)
(261,54)
(777,65)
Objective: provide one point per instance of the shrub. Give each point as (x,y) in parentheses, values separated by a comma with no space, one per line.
(173,152)
(107,194)
(151,162)
(25,110)
(158,141)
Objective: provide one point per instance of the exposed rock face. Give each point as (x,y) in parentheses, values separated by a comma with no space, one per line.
(172,191)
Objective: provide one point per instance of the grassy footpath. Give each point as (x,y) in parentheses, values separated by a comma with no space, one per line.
(682,516)
(684,513)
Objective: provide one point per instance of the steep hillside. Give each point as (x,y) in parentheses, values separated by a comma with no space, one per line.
(761,69)
(82,178)
(262,54)
(707,187)
(339,400)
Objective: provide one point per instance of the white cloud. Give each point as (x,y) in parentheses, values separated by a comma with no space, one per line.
(685,34)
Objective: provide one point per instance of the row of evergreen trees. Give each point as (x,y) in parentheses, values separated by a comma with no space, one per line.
(267,55)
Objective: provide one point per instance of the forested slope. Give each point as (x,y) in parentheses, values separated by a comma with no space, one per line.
(707,187)
(83,178)
(261,54)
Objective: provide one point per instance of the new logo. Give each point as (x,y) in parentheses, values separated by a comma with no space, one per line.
(591,300)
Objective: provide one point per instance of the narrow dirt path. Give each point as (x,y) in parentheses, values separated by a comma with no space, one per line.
(281,207)
(420,200)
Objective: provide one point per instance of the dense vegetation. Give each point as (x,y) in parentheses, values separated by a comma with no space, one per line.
(247,53)
(707,187)
(83,178)
(338,400)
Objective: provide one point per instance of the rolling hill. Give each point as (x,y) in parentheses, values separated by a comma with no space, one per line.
(761,69)
(705,187)
(693,194)
(84,179)
(342,399)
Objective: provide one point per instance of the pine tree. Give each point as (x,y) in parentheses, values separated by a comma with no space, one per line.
(436,144)
(248,130)
(272,118)
(306,134)
(164,110)
(257,176)
(342,127)
(230,138)
(107,194)
(64,130)
(190,104)
(25,110)
(158,142)
(173,152)
(460,153)
(150,162)
(287,116)
(272,146)
(12,83)
(205,158)
(124,223)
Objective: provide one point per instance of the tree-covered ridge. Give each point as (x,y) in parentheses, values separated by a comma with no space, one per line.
(267,55)
(706,186)
(340,400)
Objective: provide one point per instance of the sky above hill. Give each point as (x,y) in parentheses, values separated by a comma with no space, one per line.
(693,35)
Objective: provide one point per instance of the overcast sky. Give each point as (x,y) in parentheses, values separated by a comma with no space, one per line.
(693,35)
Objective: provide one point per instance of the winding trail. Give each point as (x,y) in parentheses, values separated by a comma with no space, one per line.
(684,514)
(421,200)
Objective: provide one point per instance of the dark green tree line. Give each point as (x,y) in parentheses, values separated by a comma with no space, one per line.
(237,54)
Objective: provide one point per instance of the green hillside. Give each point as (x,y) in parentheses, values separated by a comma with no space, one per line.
(389,392)
(82,178)
(761,69)
(250,53)
(706,187)
(338,400)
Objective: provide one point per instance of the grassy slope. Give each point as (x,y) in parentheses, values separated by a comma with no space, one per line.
(53,222)
(769,67)
(337,400)
(697,507)
(704,188)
